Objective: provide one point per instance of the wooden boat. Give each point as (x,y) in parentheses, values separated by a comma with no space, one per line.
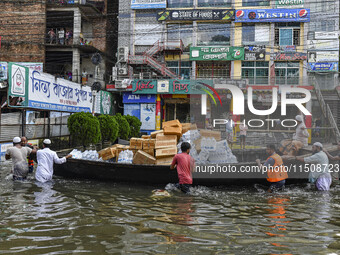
(162,175)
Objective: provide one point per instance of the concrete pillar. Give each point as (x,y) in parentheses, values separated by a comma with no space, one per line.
(76,72)
(76,26)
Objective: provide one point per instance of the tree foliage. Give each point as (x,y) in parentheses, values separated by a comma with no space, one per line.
(135,125)
(109,127)
(124,127)
(84,127)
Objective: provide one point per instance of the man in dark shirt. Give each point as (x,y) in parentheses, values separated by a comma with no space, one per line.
(24,143)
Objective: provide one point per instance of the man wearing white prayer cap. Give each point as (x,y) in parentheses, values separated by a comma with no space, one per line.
(46,158)
(19,155)
(318,168)
(301,133)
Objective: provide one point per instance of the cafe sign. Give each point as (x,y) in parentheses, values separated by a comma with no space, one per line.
(290,56)
(182,87)
(201,14)
(216,53)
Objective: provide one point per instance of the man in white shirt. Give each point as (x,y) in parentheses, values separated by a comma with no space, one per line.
(301,133)
(319,170)
(46,158)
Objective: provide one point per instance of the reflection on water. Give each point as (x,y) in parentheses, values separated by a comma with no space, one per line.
(73,216)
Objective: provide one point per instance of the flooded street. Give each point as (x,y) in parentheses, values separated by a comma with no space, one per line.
(75,216)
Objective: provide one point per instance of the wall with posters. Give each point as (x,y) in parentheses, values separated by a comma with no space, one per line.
(40,90)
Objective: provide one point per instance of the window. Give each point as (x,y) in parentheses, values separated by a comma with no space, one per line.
(180,3)
(323,25)
(287,73)
(287,34)
(213,70)
(256,72)
(183,68)
(183,32)
(255,34)
(214,3)
(213,34)
(255,2)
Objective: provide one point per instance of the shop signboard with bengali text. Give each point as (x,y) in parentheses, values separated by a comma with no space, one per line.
(197,14)
(272,15)
(323,56)
(216,53)
(323,44)
(148,4)
(323,67)
(289,56)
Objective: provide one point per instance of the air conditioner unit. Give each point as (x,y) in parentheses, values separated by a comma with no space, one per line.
(123,54)
(122,71)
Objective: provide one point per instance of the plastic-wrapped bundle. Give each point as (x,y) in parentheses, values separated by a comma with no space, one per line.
(203,156)
(208,144)
(125,157)
(191,135)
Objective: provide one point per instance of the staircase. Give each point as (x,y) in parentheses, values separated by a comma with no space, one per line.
(326,109)
(149,57)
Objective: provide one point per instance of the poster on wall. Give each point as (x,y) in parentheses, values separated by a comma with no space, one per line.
(103,103)
(148,116)
(252,53)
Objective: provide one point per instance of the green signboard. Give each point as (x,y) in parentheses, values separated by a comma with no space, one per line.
(289,3)
(18,83)
(103,103)
(216,53)
(173,86)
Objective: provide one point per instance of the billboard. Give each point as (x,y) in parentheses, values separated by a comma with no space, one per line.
(216,53)
(273,15)
(199,14)
(148,4)
(289,3)
(323,67)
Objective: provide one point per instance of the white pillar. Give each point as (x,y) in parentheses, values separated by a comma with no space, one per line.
(76,26)
(76,72)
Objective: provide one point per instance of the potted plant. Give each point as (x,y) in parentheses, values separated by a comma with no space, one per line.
(135,125)
(84,127)
(124,127)
(109,129)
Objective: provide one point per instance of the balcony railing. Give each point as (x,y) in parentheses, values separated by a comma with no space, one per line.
(100,5)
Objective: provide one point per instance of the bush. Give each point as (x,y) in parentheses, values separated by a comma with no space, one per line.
(135,125)
(109,127)
(124,127)
(84,127)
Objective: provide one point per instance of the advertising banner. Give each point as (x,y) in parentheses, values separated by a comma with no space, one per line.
(216,53)
(129,98)
(289,3)
(323,44)
(199,14)
(182,87)
(43,91)
(323,67)
(323,56)
(103,103)
(288,56)
(148,4)
(273,15)
(253,53)
(148,116)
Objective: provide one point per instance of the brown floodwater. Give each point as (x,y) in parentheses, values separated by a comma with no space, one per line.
(90,217)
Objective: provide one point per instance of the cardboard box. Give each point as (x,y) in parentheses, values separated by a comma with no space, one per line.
(171,123)
(143,158)
(164,161)
(154,134)
(149,143)
(107,153)
(173,131)
(164,141)
(209,133)
(198,144)
(150,151)
(146,136)
(166,152)
(185,127)
(136,143)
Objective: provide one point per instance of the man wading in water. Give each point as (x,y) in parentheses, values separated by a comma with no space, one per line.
(185,166)
(277,174)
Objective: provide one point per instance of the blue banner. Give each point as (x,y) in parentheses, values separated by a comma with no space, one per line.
(148,4)
(273,15)
(323,67)
(129,98)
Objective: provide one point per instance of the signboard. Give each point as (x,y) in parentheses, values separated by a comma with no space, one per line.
(32,65)
(3,71)
(288,48)
(323,56)
(273,15)
(103,103)
(129,98)
(216,53)
(222,83)
(4,147)
(148,116)
(323,44)
(148,4)
(253,53)
(323,67)
(289,3)
(196,14)
(289,56)
(42,91)
(163,86)
(326,35)
(175,86)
